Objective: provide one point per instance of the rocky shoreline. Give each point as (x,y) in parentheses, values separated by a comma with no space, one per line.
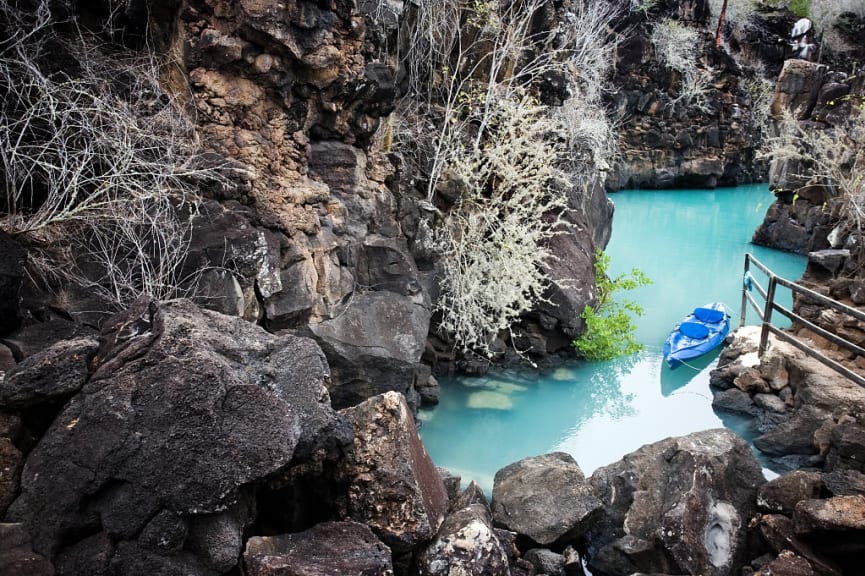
(183,441)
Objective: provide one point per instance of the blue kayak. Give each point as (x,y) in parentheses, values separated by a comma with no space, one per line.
(701,331)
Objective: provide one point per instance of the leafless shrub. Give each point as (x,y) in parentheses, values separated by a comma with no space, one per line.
(760,94)
(98,165)
(737,12)
(679,47)
(493,246)
(832,157)
(824,13)
(472,125)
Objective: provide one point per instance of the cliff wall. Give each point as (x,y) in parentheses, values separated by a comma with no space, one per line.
(311,225)
(671,141)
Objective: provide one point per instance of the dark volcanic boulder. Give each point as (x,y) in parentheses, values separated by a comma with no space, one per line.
(546,561)
(327,549)
(183,410)
(54,374)
(834,526)
(777,532)
(17,557)
(545,498)
(787,564)
(678,506)
(11,462)
(794,436)
(573,267)
(393,486)
(782,493)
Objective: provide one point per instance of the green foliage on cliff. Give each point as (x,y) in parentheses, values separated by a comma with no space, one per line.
(609,325)
(801,8)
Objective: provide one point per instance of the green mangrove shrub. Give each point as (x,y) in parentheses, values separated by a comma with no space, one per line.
(610,327)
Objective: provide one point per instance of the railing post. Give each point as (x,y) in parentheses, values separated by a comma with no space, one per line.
(767,315)
(744,310)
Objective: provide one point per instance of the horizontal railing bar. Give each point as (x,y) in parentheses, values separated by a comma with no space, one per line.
(832,337)
(818,355)
(760,289)
(760,265)
(822,299)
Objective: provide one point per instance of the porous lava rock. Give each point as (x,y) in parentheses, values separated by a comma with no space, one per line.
(52,375)
(678,506)
(326,549)
(466,543)
(393,486)
(152,464)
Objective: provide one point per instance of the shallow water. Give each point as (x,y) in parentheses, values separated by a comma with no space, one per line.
(691,243)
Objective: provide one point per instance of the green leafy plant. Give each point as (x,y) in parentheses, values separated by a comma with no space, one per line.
(610,327)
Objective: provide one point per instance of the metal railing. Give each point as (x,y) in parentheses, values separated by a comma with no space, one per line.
(770,306)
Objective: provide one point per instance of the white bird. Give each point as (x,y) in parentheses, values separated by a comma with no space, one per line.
(800,29)
(799,39)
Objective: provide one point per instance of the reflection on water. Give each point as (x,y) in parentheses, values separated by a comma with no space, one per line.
(692,245)
(673,380)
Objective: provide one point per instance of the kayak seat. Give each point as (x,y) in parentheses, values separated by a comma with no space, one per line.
(694,330)
(710,315)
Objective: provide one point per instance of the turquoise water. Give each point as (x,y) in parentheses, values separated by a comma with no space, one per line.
(691,243)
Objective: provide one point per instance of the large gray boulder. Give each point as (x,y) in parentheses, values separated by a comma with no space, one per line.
(326,549)
(184,412)
(393,486)
(374,346)
(678,506)
(544,498)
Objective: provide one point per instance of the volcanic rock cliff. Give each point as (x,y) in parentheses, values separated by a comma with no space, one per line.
(670,140)
(311,225)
